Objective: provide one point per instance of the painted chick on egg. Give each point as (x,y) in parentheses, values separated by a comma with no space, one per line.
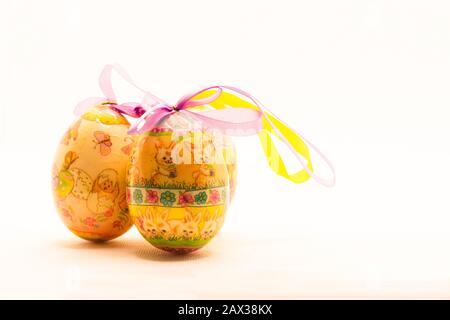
(89,175)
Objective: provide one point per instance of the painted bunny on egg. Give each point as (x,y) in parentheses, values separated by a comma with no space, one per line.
(167,228)
(211,226)
(204,154)
(148,223)
(189,227)
(165,165)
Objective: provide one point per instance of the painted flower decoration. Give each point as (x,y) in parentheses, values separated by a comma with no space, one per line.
(108,213)
(66,213)
(55,182)
(167,198)
(186,198)
(117,224)
(137,195)
(201,197)
(214,196)
(128,195)
(90,222)
(152,196)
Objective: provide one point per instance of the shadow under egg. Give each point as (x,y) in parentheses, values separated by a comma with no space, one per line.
(95,245)
(156,254)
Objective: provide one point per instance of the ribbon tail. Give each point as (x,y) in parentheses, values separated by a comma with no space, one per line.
(275,160)
(298,146)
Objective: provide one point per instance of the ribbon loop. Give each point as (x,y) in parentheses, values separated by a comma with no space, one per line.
(131,109)
(187,102)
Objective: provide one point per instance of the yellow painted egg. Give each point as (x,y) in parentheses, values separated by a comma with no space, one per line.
(89,175)
(179,184)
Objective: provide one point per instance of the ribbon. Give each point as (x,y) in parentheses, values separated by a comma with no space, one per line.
(237,116)
(271,125)
(231,121)
(131,109)
(234,111)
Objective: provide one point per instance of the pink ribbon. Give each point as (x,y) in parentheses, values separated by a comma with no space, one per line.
(131,109)
(233,121)
(152,109)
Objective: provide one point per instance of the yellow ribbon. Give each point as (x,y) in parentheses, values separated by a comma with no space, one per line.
(272,126)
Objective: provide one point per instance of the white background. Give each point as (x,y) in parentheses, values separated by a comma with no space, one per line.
(367,81)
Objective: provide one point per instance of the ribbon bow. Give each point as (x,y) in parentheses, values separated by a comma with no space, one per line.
(231,121)
(235,112)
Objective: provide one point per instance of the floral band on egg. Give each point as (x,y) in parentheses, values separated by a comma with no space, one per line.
(177,198)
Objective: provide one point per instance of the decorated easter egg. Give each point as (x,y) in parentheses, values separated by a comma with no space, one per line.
(89,175)
(180,184)
(232,167)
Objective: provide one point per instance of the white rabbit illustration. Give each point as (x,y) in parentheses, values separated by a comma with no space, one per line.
(156,224)
(212,224)
(205,155)
(167,228)
(189,227)
(149,223)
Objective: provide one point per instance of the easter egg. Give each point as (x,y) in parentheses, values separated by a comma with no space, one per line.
(232,169)
(89,175)
(178,184)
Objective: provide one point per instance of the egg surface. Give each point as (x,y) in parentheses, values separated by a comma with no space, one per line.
(179,184)
(89,175)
